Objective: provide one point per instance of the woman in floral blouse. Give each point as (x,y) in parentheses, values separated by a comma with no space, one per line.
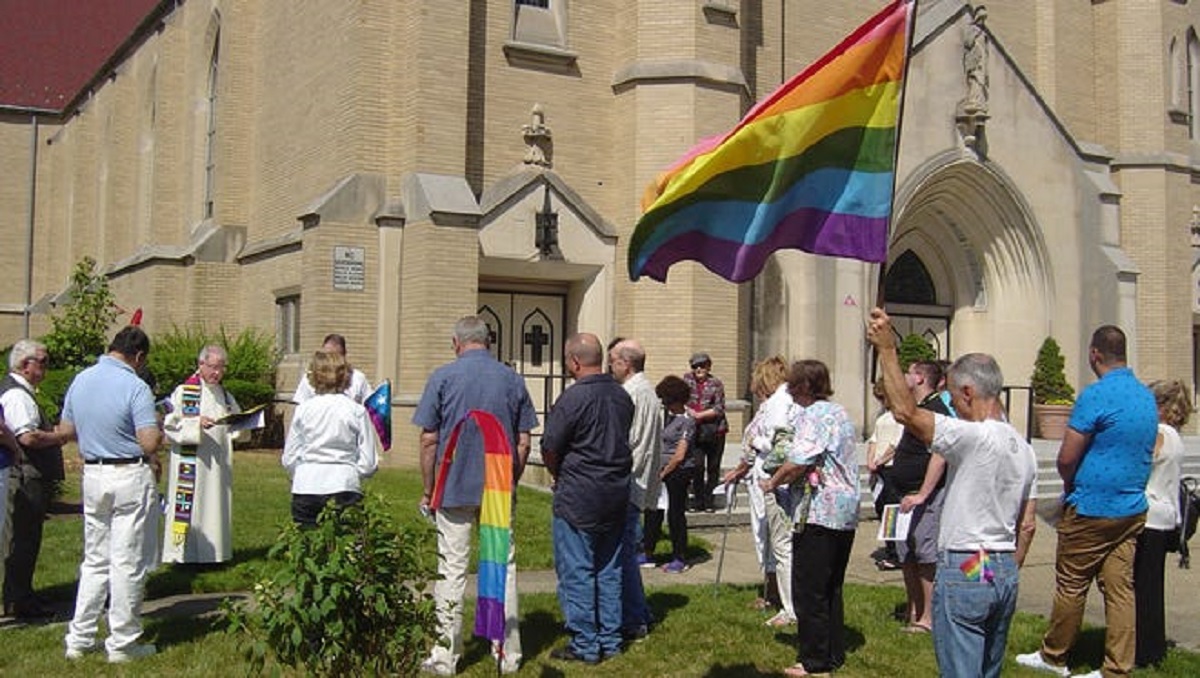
(823,475)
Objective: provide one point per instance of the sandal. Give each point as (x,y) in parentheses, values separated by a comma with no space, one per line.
(798,671)
(916,628)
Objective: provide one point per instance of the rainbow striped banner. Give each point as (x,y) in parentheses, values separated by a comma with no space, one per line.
(810,168)
(495,519)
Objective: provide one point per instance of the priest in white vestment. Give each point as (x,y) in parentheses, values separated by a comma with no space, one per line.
(198,520)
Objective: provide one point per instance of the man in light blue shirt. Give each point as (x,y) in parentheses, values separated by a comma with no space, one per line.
(110,411)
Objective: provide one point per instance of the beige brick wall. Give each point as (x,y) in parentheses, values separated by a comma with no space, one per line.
(310,93)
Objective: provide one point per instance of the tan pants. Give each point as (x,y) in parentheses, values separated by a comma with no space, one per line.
(1100,549)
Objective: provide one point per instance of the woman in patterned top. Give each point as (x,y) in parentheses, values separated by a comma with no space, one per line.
(823,474)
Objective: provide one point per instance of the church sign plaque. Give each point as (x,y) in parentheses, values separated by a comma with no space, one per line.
(349,268)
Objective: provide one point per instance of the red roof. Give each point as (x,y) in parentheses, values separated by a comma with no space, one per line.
(51,49)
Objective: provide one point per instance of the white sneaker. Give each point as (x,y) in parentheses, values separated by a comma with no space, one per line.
(433,667)
(132,652)
(1034,660)
(77,653)
(1093,674)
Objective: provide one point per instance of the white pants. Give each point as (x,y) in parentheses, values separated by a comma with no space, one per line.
(117,502)
(454,551)
(772,531)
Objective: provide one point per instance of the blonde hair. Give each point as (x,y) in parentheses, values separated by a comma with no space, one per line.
(1174,403)
(328,372)
(767,375)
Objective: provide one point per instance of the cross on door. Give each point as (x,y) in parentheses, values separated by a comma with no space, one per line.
(536,338)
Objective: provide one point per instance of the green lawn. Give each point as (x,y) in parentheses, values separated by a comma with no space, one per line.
(702,632)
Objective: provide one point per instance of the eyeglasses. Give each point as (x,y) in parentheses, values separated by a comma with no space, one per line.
(43,360)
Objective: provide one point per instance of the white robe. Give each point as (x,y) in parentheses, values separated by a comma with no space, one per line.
(208,536)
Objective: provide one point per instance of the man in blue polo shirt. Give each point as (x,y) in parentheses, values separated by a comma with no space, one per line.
(585,445)
(110,411)
(1104,462)
(475,381)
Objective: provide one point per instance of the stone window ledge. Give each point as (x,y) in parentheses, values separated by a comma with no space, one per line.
(530,54)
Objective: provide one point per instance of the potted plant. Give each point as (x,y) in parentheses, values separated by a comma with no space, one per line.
(1052,395)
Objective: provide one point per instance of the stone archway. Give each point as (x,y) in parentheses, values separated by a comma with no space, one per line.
(984,252)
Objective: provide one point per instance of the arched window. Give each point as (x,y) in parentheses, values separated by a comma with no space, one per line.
(210,133)
(1192,61)
(909,282)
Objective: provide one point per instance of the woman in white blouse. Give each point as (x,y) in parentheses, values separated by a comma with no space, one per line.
(331,443)
(1162,520)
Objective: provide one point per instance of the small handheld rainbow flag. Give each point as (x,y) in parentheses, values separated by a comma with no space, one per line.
(379,408)
(495,518)
(978,567)
(808,168)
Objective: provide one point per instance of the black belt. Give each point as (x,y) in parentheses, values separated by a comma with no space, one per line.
(121,461)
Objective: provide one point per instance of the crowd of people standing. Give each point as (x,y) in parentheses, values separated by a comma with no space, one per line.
(622,456)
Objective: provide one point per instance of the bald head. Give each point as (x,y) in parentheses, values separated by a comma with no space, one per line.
(626,358)
(584,354)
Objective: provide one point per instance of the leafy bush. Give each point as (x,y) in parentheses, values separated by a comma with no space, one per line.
(1049,380)
(351,597)
(913,348)
(251,365)
(80,333)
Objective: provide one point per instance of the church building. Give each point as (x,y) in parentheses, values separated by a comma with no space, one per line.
(380,168)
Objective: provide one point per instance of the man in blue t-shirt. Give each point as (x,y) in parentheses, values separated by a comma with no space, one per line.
(474,381)
(1104,462)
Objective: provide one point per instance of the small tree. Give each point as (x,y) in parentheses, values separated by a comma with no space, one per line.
(351,597)
(1049,380)
(80,331)
(913,348)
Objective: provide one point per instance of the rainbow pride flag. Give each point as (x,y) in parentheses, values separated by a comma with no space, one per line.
(495,518)
(379,409)
(809,168)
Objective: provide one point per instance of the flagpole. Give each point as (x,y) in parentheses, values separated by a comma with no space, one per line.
(880,297)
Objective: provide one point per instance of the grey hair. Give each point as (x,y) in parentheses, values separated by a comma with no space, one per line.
(23,350)
(212,350)
(979,370)
(472,330)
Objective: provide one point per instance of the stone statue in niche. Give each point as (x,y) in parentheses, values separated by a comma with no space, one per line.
(539,149)
(972,113)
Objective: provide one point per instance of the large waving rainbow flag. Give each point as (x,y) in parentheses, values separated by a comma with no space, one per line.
(808,168)
(495,518)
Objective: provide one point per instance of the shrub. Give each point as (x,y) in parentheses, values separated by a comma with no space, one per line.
(250,377)
(914,348)
(351,597)
(1049,380)
(80,332)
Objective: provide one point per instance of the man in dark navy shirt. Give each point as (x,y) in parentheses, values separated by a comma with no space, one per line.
(586,448)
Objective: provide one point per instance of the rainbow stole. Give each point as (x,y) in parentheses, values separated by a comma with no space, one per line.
(495,518)
(185,477)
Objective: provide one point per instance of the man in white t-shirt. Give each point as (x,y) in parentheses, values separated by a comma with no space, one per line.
(358,390)
(988,516)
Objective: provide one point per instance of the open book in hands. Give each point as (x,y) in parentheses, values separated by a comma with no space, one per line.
(245,420)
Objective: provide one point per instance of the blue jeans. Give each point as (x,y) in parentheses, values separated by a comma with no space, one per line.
(971,618)
(588,565)
(634,612)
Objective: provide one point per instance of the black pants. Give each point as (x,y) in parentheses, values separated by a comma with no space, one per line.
(676,484)
(819,559)
(306,507)
(1148,565)
(30,503)
(708,469)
